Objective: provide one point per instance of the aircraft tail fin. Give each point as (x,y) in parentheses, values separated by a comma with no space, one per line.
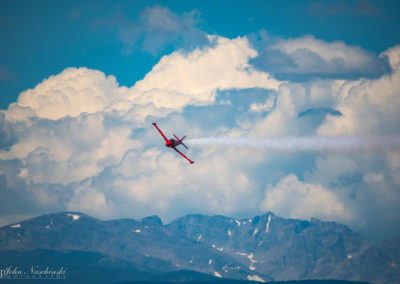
(181,141)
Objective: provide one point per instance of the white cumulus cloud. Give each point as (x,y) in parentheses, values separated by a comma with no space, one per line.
(194,78)
(296,199)
(368,106)
(307,57)
(70,93)
(79,141)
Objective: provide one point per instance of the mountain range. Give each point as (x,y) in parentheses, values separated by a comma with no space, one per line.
(196,248)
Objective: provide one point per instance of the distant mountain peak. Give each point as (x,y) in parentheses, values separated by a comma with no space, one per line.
(152,220)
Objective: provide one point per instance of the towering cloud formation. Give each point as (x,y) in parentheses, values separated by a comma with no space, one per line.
(79,141)
(70,93)
(82,135)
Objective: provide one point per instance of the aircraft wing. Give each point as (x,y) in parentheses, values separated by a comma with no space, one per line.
(179,152)
(162,134)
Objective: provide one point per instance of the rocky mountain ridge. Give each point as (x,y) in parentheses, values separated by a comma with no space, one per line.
(262,248)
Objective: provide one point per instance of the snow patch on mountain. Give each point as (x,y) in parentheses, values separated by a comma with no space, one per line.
(269,221)
(220,249)
(255,278)
(216,274)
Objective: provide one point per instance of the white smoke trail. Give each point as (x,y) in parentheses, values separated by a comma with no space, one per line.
(304,144)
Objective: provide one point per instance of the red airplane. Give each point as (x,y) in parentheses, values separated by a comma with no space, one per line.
(172,143)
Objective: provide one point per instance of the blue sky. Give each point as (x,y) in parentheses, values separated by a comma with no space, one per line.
(81,82)
(42,38)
